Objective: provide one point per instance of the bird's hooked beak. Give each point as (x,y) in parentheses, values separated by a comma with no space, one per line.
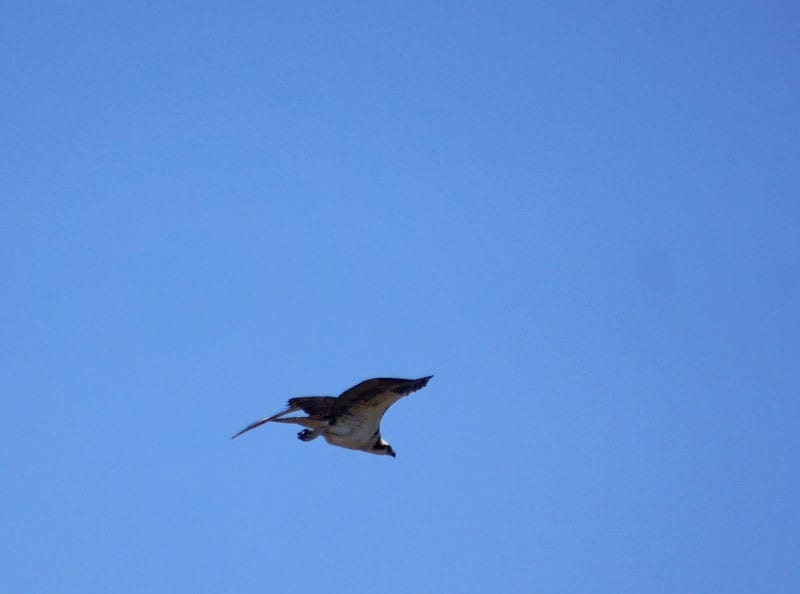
(392,453)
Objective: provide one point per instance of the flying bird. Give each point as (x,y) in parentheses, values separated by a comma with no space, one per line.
(353,419)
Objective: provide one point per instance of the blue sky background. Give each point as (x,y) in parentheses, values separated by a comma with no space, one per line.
(582,218)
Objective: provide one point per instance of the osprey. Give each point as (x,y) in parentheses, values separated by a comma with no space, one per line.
(351,420)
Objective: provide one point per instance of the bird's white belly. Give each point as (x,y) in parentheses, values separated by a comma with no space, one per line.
(351,432)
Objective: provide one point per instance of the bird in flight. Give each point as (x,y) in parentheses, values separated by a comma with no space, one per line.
(353,419)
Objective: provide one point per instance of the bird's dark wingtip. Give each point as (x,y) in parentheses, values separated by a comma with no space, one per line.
(418,384)
(246,429)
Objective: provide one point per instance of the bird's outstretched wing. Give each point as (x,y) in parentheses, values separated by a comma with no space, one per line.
(371,398)
(315,406)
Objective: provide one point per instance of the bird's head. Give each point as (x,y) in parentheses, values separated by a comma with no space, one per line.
(383,449)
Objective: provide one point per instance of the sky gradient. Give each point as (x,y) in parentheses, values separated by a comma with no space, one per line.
(581,219)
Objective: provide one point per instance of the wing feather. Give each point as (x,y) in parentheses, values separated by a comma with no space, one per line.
(372,398)
(315,406)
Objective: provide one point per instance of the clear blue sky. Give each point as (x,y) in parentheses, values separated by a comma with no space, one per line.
(583,218)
